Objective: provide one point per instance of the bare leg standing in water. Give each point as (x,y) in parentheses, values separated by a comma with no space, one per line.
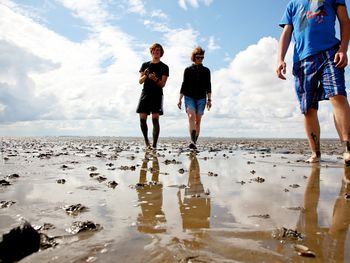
(319,61)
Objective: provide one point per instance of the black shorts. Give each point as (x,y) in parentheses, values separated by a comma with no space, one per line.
(150,103)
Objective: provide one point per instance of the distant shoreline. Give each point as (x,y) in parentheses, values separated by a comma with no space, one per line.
(271,145)
(165,138)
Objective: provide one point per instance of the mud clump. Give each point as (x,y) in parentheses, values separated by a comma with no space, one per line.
(5,204)
(4,182)
(61,181)
(12,176)
(112,184)
(126,168)
(19,243)
(75,209)
(287,234)
(80,226)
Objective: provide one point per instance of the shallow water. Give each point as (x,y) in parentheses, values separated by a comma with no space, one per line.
(224,204)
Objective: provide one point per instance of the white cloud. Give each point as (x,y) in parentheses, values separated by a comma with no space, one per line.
(212,44)
(86,92)
(137,6)
(92,11)
(249,93)
(159,14)
(156,26)
(19,98)
(194,3)
(91,87)
(83,89)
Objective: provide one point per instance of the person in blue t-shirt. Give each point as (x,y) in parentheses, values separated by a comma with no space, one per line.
(318,64)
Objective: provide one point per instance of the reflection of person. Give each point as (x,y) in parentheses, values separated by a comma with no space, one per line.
(340,222)
(196,87)
(308,221)
(195,208)
(153,76)
(150,197)
(319,62)
(330,242)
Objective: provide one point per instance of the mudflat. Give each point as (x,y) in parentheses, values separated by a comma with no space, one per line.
(105,199)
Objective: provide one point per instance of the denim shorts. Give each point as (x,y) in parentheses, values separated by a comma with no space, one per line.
(317,78)
(197,105)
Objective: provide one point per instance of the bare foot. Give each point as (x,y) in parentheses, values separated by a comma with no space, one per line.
(313,159)
(148,148)
(346,179)
(346,157)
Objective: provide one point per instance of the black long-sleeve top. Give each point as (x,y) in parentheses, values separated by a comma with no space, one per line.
(196,83)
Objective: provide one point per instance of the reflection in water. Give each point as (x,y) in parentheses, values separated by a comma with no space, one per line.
(150,197)
(340,222)
(195,207)
(329,242)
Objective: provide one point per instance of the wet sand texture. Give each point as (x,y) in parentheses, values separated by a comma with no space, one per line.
(237,200)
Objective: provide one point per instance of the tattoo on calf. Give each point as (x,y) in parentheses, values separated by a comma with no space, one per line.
(317,144)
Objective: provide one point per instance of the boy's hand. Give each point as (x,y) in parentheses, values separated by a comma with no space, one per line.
(146,72)
(341,59)
(281,70)
(153,77)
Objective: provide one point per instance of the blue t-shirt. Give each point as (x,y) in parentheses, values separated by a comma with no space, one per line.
(313,25)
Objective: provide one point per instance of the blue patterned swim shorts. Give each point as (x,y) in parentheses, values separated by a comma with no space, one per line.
(317,78)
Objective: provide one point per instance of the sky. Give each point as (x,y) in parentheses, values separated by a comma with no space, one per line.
(71,67)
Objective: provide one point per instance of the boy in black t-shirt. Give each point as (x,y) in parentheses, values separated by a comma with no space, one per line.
(153,76)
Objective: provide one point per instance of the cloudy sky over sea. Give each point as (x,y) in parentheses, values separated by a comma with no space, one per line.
(70,67)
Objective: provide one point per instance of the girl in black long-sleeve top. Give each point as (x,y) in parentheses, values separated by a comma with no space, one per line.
(196,88)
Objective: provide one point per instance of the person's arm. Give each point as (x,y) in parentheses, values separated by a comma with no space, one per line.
(183,87)
(341,58)
(283,45)
(162,81)
(152,76)
(209,91)
(142,78)
(143,75)
(209,101)
(180,101)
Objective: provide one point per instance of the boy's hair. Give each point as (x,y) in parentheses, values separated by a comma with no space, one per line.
(197,51)
(156,45)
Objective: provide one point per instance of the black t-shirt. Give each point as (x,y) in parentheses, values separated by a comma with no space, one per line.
(160,69)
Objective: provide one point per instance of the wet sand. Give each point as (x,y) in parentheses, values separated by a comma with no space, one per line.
(237,200)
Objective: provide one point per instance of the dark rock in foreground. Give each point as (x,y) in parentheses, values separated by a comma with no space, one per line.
(19,243)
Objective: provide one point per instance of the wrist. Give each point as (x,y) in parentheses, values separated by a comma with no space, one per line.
(342,50)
